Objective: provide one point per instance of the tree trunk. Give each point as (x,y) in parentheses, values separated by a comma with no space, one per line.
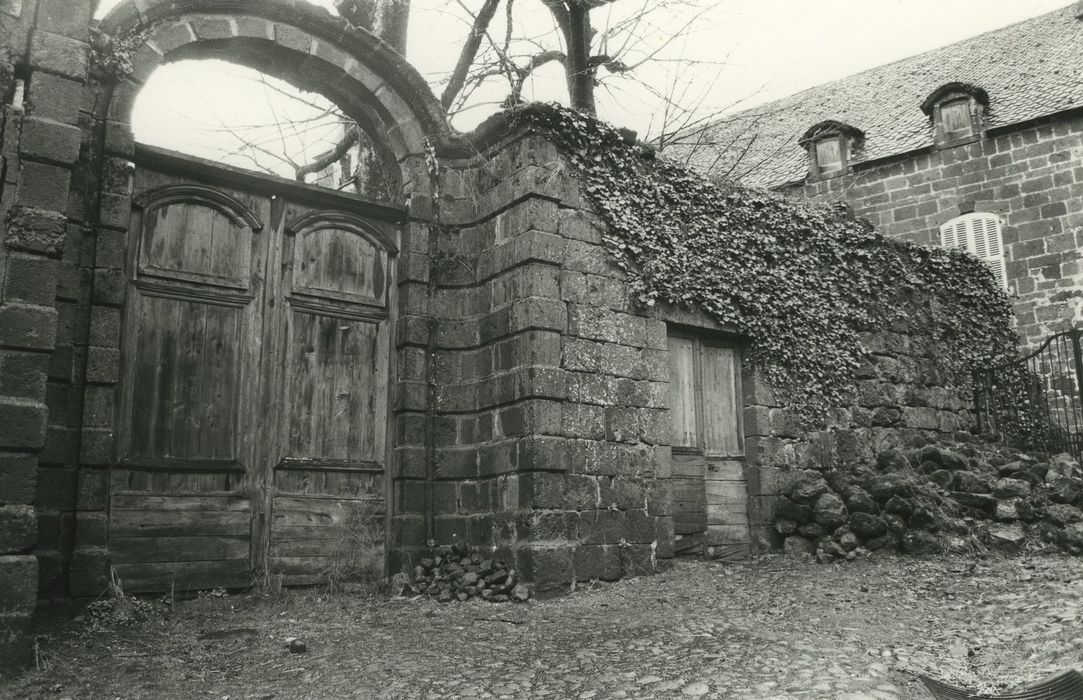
(579,71)
(387,19)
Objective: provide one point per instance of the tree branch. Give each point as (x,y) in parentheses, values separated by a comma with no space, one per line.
(469,52)
(333,156)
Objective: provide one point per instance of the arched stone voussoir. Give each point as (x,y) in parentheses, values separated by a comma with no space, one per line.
(332,51)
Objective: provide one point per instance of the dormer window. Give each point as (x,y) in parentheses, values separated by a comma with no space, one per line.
(956,111)
(829,155)
(830,147)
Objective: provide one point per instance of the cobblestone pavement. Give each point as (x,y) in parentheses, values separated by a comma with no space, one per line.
(766,629)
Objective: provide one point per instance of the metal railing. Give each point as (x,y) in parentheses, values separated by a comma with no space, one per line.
(1036,401)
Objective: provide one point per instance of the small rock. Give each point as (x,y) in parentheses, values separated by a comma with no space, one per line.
(400,585)
(898,505)
(867,526)
(696,689)
(948,459)
(923,519)
(886,541)
(830,511)
(1062,514)
(1006,512)
(812,530)
(1063,466)
(785,527)
(1071,538)
(920,542)
(500,598)
(810,486)
(796,512)
(1008,536)
(796,546)
(981,501)
(859,501)
(895,524)
(892,461)
(1010,468)
(1029,512)
(834,549)
(521,592)
(971,482)
(444,596)
(1068,490)
(298,646)
(1010,488)
(848,541)
(943,478)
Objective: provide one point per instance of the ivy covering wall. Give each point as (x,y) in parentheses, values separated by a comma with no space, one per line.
(802,283)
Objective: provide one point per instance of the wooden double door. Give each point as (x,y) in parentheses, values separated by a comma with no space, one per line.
(252,411)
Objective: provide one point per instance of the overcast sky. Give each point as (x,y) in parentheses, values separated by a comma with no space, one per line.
(753,51)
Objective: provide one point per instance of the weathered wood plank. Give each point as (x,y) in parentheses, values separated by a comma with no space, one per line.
(133,550)
(727,534)
(689,466)
(682,409)
(725,470)
(174,523)
(721,420)
(689,544)
(184,576)
(153,502)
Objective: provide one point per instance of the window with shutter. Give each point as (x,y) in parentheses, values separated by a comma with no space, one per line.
(980,235)
(956,120)
(704,396)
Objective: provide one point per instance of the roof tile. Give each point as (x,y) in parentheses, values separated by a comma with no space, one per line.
(1030,69)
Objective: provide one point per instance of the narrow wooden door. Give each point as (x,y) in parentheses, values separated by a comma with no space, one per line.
(327,495)
(180,505)
(709,492)
(253,405)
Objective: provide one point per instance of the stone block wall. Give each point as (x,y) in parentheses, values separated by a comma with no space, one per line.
(547,392)
(901,397)
(43,62)
(1030,175)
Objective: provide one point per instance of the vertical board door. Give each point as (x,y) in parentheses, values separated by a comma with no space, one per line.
(180,504)
(253,396)
(709,492)
(328,507)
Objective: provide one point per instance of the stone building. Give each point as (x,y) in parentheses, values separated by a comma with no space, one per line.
(976,144)
(209,377)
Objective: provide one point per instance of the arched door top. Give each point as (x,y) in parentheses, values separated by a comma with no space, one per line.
(293,40)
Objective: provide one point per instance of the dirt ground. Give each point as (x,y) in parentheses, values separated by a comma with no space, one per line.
(771,628)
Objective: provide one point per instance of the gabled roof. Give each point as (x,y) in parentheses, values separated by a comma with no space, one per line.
(1029,70)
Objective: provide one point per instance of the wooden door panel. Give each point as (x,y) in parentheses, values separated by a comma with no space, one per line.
(186,382)
(193,241)
(331,405)
(338,263)
(721,409)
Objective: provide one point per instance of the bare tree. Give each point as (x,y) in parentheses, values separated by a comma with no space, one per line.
(592,40)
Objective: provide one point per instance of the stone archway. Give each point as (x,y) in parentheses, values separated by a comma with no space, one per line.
(291,40)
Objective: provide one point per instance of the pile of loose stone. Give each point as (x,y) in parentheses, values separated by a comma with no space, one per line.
(937,497)
(456,573)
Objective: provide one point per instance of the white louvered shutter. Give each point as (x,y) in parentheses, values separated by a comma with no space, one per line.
(980,235)
(953,234)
